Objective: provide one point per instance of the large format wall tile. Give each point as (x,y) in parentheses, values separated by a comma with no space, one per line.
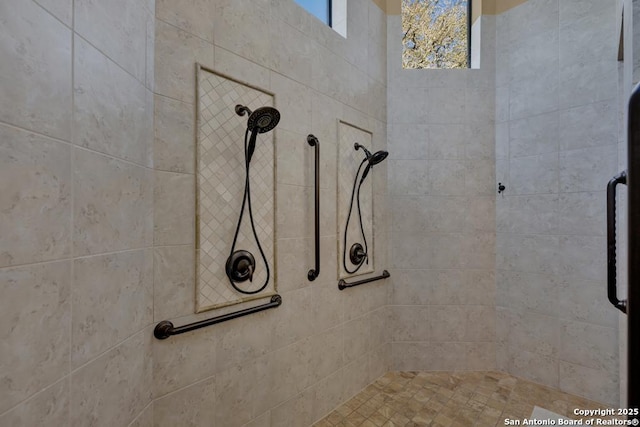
(98,200)
(174,206)
(176,54)
(536,292)
(595,384)
(532,18)
(112,204)
(293,60)
(283,374)
(531,214)
(192,16)
(117,28)
(561,127)
(145,419)
(589,345)
(35,335)
(112,300)
(50,407)
(112,112)
(189,407)
(533,174)
(37,205)
(121,378)
(411,323)
(327,353)
(532,97)
(37,52)
(584,301)
(535,135)
(240,68)
(329,394)
(534,57)
(61,9)
(173,281)
(587,169)
(296,411)
(183,360)
(174,146)
(237,392)
(409,177)
(589,125)
(242,26)
(533,366)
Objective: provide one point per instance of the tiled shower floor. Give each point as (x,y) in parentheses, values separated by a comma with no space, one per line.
(443,399)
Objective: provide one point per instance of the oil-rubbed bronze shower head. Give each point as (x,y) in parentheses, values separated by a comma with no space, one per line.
(264,119)
(261,120)
(373,159)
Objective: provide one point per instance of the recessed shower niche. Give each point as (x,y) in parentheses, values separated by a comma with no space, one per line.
(354,202)
(224,117)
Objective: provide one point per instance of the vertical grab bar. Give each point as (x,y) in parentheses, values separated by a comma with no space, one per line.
(315,272)
(612,289)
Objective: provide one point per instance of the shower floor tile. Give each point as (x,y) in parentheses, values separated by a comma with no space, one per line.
(451,399)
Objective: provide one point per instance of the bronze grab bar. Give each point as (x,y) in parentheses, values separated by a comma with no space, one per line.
(315,272)
(342,285)
(165,329)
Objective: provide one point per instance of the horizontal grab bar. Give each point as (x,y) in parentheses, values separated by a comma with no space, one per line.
(165,329)
(342,285)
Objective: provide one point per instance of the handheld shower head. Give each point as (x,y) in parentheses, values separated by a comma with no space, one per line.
(264,119)
(261,120)
(378,157)
(372,159)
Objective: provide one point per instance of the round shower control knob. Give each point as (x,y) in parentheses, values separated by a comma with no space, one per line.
(240,266)
(357,254)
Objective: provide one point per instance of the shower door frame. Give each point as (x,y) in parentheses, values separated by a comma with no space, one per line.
(633,291)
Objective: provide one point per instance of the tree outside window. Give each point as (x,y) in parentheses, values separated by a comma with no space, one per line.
(435,34)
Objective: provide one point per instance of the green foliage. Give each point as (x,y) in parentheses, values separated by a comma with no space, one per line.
(434,34)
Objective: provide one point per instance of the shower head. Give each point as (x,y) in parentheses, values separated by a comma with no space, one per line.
(261,120)
(378,157)
(372,159)
(264,119)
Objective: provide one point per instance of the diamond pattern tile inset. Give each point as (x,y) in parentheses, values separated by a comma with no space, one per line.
(348,161)
(220,172)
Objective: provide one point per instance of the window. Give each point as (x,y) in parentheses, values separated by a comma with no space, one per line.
(435,33)
(331,12)
(321,9)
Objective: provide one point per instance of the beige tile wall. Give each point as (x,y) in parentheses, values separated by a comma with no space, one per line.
(96,149)
(556,148)
(441,184)
(76,252)
(97,141)
(291,365)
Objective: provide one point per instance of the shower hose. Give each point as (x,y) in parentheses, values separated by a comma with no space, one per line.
(355,193)
(246,202)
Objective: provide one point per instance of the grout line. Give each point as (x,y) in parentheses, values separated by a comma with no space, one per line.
(75,146)
(72,154)
(74,258)
(34,394)
(37,3)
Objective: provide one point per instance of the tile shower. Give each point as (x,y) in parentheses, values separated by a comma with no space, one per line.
(97,143)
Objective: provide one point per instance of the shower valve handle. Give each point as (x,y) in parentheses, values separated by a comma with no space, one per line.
(250,269)
(240,266)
